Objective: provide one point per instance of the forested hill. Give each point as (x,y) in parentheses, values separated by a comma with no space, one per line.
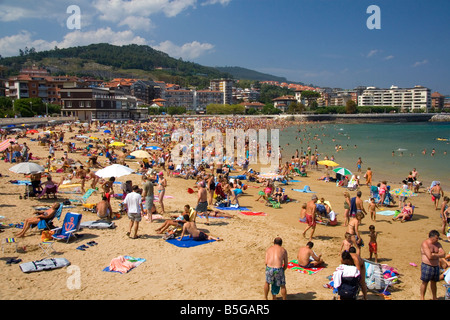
(127,57)
(247,74)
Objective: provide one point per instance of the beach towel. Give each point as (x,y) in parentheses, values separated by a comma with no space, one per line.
(353,206)
(306,189)
(187,242)
(211,217)
(293,264)
(251,213)
(386,213)
(233,208)
(294,181)
(123,264)
(20,182)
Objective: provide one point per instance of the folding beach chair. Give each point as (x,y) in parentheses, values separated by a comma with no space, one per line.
(71,224)
(7,241)
(83,199)
(375,279)
(48,224)
(47,248)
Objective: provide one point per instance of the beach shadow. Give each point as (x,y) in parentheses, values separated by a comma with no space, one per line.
(7,205)
(300,296)
(325,237)
(150,236)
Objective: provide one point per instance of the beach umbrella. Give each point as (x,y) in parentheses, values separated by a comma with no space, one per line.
(117,144)
(32,131)
(114,170)
(327,163)
(107,131)
(153,148)
(140,154)
(343,171)
(403,193)
(5,144)
(27,168)
(82,137)
(94,138)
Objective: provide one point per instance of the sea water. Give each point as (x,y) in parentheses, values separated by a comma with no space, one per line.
(391,150)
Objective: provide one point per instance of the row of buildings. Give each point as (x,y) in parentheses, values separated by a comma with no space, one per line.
(119,99)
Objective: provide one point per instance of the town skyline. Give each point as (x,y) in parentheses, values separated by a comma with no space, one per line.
(325,43)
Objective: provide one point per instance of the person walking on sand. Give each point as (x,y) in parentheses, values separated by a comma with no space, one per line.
(311,216)
(431,251)
(373,247)
(133,204)
(368,177)
(436,192)
(148,194)
(276,263)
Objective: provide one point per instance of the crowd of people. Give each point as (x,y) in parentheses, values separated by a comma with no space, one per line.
(218,185)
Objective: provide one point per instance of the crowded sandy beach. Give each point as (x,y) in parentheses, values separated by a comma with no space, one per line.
(225,258)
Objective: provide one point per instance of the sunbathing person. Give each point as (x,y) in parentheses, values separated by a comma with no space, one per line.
(307,258)
(406,213)
(194,233)
(38,216)
(218,213)
(177,221)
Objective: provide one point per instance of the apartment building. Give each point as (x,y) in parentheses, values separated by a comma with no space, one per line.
(179,98)
(225,86)
(103,104)
(204,97)
(437,101)
(147,91)
(38,83)
(407,99)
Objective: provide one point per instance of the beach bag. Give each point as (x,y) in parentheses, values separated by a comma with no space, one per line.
(46,235)
(349,288)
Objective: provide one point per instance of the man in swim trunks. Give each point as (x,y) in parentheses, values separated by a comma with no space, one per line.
(311,216)
(436,192)
(202,201)
(307,258)
(431,251)
(104,209)
(276,263)
(191,228)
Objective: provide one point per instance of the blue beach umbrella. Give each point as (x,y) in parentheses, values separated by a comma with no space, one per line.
(107,131)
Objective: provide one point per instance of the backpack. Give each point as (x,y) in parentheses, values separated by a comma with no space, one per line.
(349,288)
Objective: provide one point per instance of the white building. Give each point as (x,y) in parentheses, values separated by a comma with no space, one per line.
(407,99)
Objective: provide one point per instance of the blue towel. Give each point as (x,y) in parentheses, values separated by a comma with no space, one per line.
(353,209)
(305,189)
(294,181)
(234,208)
(187,242)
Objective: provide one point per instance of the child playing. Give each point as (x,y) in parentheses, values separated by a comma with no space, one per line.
(373,243)
(372,209)
(347,243)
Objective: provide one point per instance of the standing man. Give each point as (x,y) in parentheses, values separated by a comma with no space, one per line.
(133,205)
(276,263)
(436,192)
(202,201)
(311,216)
(148,195)
(431,251)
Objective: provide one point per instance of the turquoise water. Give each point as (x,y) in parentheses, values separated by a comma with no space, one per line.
(375,144)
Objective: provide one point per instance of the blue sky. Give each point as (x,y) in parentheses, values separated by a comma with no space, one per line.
(322,42)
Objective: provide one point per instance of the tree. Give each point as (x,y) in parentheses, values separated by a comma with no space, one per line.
(350,107)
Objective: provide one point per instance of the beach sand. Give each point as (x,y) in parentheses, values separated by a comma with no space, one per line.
(223,270)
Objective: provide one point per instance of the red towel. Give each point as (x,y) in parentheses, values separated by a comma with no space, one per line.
(250,213)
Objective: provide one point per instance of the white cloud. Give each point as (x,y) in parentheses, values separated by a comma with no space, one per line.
(420,63)
(389,57)
(10,45)
(187,51)
(222,2)
(371,53)
(136,23)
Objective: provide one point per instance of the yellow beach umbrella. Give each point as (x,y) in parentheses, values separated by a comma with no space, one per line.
(328,163)
(117,144)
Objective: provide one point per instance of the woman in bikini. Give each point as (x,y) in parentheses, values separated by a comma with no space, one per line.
(353,228)
(211,186)
(346,207)
(162,184)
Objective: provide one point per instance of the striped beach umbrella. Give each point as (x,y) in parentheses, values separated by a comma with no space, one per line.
(343,171)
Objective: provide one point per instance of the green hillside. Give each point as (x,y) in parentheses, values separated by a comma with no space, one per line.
(247,74)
